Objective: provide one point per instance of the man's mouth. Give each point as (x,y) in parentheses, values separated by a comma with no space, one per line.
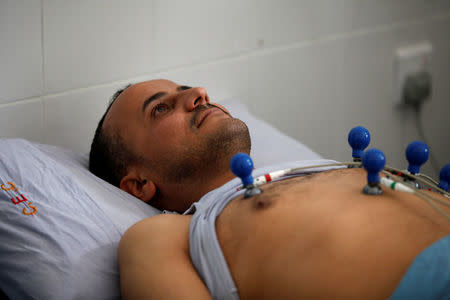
(203,115)
(200,116)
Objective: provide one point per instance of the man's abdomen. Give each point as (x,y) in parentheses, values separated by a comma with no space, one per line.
(320,237)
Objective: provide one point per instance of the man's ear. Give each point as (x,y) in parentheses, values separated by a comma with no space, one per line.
(143,189)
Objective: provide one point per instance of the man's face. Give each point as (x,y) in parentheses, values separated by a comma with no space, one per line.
(175,130)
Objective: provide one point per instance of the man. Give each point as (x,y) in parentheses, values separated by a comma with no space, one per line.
(315,236)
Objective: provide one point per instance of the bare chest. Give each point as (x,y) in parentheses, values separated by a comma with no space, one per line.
(299,230)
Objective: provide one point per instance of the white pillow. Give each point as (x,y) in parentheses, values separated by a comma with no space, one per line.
(60,225)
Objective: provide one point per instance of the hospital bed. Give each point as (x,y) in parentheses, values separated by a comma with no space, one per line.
(60,225)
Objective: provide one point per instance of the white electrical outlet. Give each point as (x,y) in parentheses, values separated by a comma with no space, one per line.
(410,60)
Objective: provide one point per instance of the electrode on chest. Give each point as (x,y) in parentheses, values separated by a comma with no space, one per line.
(373,161)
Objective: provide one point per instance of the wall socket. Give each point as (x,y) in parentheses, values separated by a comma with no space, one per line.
(409,61)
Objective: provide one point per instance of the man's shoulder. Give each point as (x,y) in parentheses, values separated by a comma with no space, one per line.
(164,228)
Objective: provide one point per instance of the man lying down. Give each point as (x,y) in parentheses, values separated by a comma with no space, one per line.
(315,236)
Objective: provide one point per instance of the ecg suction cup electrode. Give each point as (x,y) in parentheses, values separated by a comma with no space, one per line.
(242,166)
(358,139)
(373,161)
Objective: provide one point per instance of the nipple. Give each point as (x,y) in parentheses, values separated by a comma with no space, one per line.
(242,166)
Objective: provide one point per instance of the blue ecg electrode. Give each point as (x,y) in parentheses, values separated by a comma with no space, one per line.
(242,166)
(373,161)
(417,154)
(358,139)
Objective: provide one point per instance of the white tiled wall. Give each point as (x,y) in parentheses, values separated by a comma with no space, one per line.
(23,119)
(91,42)
(70,119)
(313,68)
(20,50)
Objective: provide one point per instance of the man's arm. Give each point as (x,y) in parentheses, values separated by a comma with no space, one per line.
(154,261)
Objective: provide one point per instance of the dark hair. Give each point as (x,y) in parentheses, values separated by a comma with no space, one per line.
(109,156)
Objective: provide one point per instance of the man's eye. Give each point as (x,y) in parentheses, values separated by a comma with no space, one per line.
(159,109)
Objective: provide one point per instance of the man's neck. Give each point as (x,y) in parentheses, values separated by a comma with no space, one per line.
(180,196)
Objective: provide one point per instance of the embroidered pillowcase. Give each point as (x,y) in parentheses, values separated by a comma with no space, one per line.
(59,225)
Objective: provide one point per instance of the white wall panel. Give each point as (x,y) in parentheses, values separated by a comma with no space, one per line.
(365,88)
(22,120)
(71,119)
(321,18)
(188,32)
(20,50)
(323,90)
(295,91)
(194,31)
(222,80)
(436,112)
(96,41)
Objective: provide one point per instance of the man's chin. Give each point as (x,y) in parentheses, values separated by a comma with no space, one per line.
(210,153)
(231,137)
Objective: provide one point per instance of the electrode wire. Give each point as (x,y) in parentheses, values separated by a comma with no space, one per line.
(287,172)
(428,178)
(411,176)
(398,179)
(293,170)
(428,198)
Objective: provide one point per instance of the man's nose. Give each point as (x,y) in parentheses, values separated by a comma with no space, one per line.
(195,97)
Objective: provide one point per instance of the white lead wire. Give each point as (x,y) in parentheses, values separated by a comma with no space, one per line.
(271,176)
(277,174)
(396,186)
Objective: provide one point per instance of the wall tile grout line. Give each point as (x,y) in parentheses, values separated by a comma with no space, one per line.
(153,29)
(42,49)
(24,101)
(43,86)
